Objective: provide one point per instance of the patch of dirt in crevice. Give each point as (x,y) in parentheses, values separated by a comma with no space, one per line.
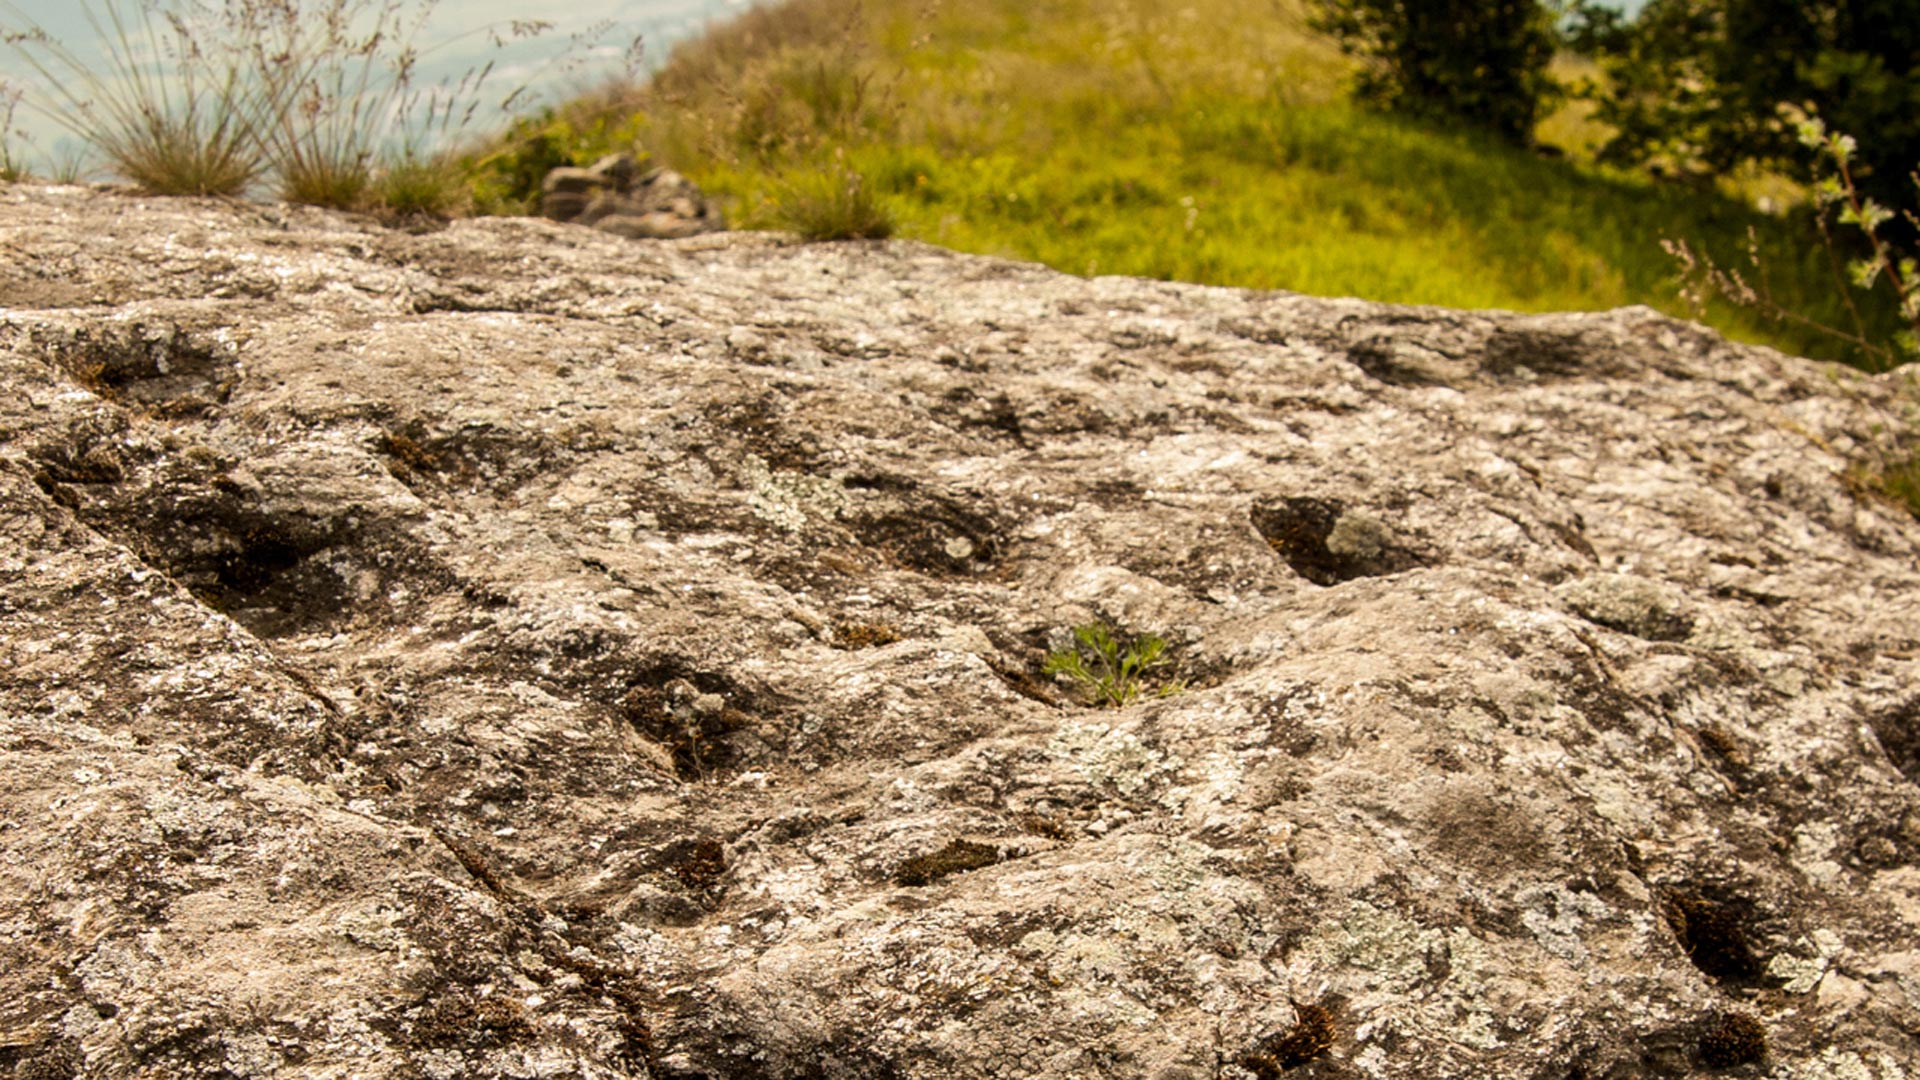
(706,721)
(930,532)
(472,457)
(682,512)
(158,367)
(1512,354)
(1898,730)
(280,574)
(1027,684)
(275,570)
(995,414)
(1380,357)
(1715,927)
(760,426)
(698,864)
(51,1059)
(1588,683)
(725,1051)
(92,450)
(470,298)
(453,1000)
(1486,831)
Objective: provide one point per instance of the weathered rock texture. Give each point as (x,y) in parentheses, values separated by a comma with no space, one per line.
(517,652)
(615,196)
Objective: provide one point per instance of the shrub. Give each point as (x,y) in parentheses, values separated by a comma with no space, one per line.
(831,203)
(1481,62)
(191,124)
(1696,85)
(326,139)
(1867,256)
(421,186)
(1838,190)
(359,127)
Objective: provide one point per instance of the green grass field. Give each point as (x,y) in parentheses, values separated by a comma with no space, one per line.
(1209,143)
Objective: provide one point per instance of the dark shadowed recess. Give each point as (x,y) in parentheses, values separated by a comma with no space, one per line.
(1299,530)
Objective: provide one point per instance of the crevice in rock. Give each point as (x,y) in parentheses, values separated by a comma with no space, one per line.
(1715,933)
(1898,730)
(159,367)
(474,456)
(1327,543)
(932,533)
(1511,354)
(465,299)
(695,714)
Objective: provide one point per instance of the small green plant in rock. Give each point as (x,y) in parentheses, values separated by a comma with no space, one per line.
(1113,671)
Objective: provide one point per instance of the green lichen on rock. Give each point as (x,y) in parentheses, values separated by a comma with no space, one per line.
(1631,605)
(1372,950)
(1359,537)
(789,500)
(1109,757)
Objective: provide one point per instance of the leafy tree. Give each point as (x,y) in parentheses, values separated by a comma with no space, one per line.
(1699,85)
(1481,62)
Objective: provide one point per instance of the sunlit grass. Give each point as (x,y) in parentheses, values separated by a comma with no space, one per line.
(1135,138)
(420,186)
(834,203)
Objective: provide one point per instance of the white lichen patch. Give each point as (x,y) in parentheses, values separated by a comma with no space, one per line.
(1801,973)
(1838,1064)
(250,1054)
(790,500)
(1556,916)
(1107,756)
(1626,602)
(1392,948)
(1380,956)
(1813,847)
(948,972)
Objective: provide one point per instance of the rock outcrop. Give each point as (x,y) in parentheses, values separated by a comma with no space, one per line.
(614,196)
(515,651)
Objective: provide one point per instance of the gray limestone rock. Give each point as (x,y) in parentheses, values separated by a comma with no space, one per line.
(511,652)
(613,196)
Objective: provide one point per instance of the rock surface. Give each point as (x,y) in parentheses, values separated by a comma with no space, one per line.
(511,652)
(614,196)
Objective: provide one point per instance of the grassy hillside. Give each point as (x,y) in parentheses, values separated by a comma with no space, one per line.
(1209,142)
